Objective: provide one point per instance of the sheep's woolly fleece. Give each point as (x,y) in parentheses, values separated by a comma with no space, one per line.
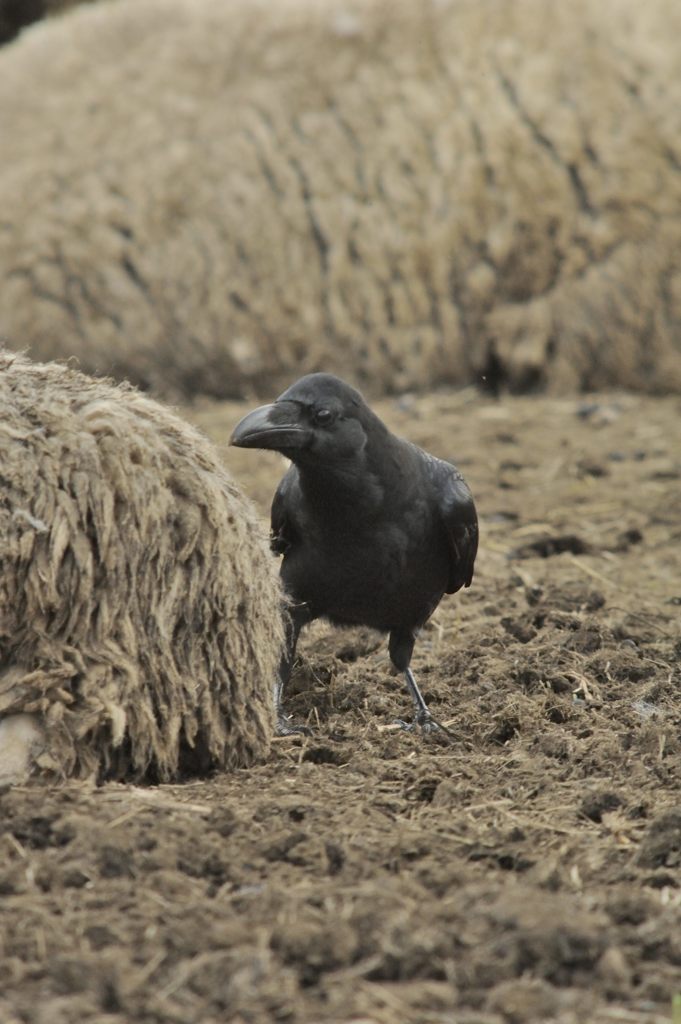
(214,197)
(16,14)
(140,613)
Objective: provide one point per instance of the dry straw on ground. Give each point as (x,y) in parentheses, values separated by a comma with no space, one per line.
(140,616)
(212,197)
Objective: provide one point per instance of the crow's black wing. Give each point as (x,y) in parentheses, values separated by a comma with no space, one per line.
(457,512)
(283,531)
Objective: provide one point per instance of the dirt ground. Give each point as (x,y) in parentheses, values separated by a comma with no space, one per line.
(526,869)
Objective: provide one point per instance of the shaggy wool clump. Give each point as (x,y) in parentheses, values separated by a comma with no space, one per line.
(140,613)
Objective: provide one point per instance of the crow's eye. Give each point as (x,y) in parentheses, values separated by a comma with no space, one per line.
(323,416)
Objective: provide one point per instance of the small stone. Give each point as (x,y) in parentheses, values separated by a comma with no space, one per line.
(613,966)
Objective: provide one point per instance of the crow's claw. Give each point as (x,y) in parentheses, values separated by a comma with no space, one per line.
(284,728)
(423,722)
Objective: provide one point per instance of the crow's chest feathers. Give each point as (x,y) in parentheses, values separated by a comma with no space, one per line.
(336,499)
(377,571)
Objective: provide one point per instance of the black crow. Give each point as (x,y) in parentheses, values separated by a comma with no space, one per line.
(373,530)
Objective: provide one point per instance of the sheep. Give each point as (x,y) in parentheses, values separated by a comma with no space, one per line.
(22,740)
(16,14)
(214,198)
(140,610)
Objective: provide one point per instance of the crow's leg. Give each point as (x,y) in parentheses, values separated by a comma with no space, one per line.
(401,646)
(299,615)
(423,717)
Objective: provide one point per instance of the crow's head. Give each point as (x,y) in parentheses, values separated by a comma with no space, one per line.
(318,419)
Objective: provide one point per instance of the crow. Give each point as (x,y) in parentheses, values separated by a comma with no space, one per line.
(373,530)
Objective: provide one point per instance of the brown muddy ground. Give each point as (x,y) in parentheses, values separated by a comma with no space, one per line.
(528,869)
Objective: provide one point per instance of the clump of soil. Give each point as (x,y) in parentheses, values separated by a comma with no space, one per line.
(525,869)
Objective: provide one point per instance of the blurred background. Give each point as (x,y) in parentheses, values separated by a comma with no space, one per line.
(212,198)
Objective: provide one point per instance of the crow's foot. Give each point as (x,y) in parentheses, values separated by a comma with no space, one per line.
(425,722)
(285,728)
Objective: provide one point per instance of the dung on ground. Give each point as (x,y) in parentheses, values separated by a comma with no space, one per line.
(526,872)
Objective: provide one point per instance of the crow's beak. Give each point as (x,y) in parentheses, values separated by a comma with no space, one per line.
(276,427)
